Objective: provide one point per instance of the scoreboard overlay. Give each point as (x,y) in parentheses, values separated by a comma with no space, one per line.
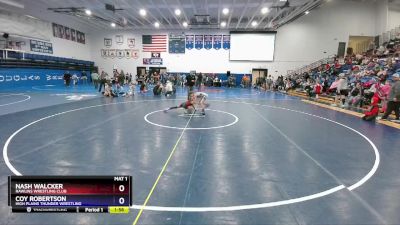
(77,194)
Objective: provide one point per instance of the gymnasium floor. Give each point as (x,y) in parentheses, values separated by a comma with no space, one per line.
(255,158)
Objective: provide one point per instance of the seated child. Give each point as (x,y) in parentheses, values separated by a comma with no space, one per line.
(372,111)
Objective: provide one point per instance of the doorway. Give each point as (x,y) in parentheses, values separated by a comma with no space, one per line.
(259,75)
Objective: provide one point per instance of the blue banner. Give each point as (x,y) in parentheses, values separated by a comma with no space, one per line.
(208,42)
(217,42)
(41,46)
(189,41)
(29,77)
(226,42)
(198,41)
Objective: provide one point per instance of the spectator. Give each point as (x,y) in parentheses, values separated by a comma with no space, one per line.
(199,80)
(356,94)
(103,80)
(95,79)
(143,87)
(84,77)
(372,111)
(190,81)
(157,89)
(317,90)
(75,79)
(394,98)
(341,90)
(169,89)
(67,78)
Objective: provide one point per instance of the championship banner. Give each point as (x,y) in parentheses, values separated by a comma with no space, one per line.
(226,42)
(208,42)
(198,42)
(217,42)
(67,33)
(189,41)
(73,35)
(41,46)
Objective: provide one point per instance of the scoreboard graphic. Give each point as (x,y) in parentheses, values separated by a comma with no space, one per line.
(75,194)
(177,43)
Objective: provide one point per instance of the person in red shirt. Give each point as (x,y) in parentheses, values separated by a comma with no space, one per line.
(188,105)
(317,90)
(373,110)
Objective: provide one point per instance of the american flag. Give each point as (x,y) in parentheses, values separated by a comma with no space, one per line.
(154,43)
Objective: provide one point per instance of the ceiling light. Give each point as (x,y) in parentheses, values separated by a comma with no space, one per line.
(283,0)
(254,23)
(113,24)
(225,11)
(88,12)
(264,10)
(307,12)
(142,12)
(157,24)
(177,12)
(185,24)
(223,24)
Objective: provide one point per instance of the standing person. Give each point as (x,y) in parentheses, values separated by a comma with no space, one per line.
(84,77)
(394,98)
(121,78)
(190,81)
(102,80)
(67,78)
(95,79)
(317,89)
(341,90)
(199,80)
(75,79)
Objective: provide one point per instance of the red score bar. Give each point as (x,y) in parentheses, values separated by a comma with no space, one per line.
(70,185)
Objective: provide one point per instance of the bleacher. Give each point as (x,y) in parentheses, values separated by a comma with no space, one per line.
(14,58)
(356,70)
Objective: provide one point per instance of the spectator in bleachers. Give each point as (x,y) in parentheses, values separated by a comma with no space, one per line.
(341,90)
(356,94)
(317,89)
